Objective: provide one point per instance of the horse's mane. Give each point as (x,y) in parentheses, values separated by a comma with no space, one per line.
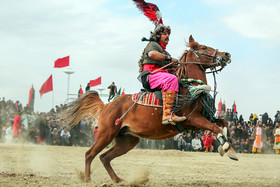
(181,71)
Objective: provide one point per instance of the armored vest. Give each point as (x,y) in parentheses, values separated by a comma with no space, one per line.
(154,46)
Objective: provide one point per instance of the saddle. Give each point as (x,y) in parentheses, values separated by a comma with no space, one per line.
(148,98)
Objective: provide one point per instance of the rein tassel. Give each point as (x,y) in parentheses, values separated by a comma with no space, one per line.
(118,121)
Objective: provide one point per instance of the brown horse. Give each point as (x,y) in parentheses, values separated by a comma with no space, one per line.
(145,121)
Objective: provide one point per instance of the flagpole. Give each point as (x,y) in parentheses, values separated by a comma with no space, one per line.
(53,99)
(68,71)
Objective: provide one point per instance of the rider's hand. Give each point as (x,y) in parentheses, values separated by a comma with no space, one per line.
(174,60)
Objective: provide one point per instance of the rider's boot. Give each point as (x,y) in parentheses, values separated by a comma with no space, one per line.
(168,116)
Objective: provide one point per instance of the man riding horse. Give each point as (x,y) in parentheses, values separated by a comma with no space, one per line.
(125,121)
(154,66)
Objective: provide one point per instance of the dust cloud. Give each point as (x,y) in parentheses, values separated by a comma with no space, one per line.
(43,165)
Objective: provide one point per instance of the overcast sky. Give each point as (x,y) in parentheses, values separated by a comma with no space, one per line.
(103,38)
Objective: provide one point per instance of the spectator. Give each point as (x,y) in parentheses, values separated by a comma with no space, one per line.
(255,119)
(237,146)
(9,132)
(230,115)
(16,126)
(112,92)
(268,131)
(260,136)
(65,136)
(42,123)
(251,117)
(196,144)
(88,133)
(24,120)
(265,118)
(76,135)
(207,141)
(277,117)
(241,120)
(54,138)
(235,117)
(270,123)
(188,139)
(277,138)
(246,147)
(33,134)
(245,132)
(88,87)
(80,92)
(181,142)
(238,131)
(227,115)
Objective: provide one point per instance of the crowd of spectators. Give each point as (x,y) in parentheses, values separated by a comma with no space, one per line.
(49,128)
(240,132)
(43,128)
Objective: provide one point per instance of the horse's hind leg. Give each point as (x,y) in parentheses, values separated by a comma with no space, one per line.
(123,143)
(102,141)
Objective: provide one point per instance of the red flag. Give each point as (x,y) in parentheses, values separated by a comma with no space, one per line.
(61,62)
(220,108)
(30,96)
(95,82)
(47,86)
(31,99)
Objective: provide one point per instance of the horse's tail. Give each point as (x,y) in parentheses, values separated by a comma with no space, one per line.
(89,104)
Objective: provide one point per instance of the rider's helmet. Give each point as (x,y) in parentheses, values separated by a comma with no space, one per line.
(160,28)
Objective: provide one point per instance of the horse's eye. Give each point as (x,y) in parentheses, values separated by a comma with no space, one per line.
(204,47)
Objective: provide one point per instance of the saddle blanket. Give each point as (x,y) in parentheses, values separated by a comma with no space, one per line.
(147,99)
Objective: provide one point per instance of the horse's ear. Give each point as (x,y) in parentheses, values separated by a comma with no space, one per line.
(191,39)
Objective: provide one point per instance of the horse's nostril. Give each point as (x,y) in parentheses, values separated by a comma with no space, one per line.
(227,55)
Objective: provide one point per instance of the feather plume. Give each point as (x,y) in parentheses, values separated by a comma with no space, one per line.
(150,10)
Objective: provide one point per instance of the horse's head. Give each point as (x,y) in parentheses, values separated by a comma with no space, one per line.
(206,56)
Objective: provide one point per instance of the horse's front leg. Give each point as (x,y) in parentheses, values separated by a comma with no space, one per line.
(224,124)
(221,122)
(202,123)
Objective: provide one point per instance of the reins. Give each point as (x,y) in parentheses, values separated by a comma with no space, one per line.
(213,70)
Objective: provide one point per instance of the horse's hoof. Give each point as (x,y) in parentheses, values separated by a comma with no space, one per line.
(232,155)
(88,180)
(118,180)
(221,151)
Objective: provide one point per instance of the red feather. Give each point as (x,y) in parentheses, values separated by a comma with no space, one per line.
(150,10)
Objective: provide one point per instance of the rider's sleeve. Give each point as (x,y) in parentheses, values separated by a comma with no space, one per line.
(153,46)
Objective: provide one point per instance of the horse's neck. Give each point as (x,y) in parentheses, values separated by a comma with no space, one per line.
(194,71)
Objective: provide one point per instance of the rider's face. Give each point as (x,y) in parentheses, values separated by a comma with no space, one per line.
(164,38)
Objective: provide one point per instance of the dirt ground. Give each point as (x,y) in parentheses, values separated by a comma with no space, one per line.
(41,165)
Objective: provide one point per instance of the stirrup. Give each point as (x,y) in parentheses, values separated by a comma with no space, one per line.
(168,121)
(181,118)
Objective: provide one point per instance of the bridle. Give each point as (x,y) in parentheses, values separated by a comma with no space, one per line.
(212,57)
(219,62)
